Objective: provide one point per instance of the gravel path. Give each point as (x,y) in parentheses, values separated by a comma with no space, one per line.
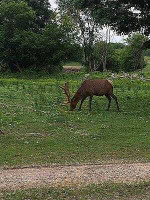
(73,175)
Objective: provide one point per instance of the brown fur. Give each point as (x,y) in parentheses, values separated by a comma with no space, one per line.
(90,88)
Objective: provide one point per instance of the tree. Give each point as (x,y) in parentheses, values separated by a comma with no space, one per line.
(119,57)
(15,17)
(110,58)
(74,53)
(87,29)
(125,16)
(133,55)
(43,12)
(25,43)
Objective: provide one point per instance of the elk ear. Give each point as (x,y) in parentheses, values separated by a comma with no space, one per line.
(65,88)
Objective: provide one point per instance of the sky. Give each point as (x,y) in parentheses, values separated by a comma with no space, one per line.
(53,4)
(114,37)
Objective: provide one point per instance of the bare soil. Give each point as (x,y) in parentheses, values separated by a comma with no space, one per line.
(73,175)
(72,68)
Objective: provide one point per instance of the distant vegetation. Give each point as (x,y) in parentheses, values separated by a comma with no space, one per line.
(33,37)
(147,52)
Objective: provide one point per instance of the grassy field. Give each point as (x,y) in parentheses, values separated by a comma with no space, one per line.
(39,130)
(105,191)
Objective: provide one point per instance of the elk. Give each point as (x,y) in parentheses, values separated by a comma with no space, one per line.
(90,88)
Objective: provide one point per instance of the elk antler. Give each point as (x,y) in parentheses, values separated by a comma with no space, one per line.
(66,92)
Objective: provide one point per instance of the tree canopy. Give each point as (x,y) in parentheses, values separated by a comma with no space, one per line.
(43,11)
(30,36)
(124,16)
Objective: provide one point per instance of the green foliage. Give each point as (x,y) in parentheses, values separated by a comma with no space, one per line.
(107,53)
(147,68)
(129,57)
(85,26)
(133,56)
(15,15)
(43,13)
(121,16)
(147,52)
(125,19)
(27,42)
(74,53)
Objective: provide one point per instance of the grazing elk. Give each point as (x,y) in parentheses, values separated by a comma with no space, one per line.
(89,88)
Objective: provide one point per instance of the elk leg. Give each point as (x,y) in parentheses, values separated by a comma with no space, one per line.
(90,102)
(82,100)
(115,98)
(109,100)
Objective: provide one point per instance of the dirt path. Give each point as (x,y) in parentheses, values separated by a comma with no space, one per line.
(73,175)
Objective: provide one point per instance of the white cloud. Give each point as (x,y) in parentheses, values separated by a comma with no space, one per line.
(53,3)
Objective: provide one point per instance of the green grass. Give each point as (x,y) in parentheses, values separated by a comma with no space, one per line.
(40,131)
(105,191)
